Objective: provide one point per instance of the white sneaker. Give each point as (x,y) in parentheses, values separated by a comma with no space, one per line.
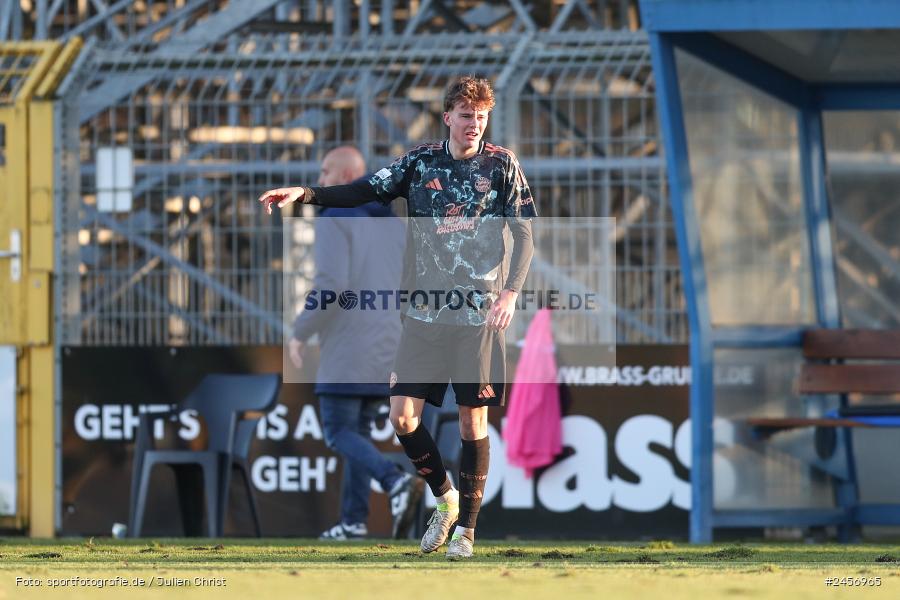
(442,519)
(460,547)
(345,531)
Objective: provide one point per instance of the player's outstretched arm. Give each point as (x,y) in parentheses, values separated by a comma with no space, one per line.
(349,195)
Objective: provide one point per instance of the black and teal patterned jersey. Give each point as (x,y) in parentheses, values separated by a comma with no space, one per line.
(435,184)
(458,211)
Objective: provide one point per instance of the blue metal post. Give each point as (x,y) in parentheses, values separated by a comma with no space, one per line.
(687,229)
(821,249)
(818,218)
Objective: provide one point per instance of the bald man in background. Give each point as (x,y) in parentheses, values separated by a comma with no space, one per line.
(357,348)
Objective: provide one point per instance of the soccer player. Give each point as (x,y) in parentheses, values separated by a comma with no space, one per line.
(468,189)
(350,254)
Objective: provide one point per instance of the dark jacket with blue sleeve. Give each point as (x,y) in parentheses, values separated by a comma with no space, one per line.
(356,249)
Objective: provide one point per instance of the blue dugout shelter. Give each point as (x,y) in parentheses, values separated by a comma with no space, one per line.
(781,122)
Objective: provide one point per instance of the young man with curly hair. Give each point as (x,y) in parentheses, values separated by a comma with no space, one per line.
(469,190)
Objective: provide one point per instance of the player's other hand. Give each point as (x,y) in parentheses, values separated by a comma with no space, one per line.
(295,349)
(501,312)
(281,196)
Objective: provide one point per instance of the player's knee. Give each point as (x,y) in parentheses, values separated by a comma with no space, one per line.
(403,423)
(473,431)
(472,424)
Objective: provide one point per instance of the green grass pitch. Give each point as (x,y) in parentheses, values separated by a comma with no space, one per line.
(278,568)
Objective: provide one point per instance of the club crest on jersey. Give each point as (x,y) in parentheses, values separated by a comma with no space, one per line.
(482,184)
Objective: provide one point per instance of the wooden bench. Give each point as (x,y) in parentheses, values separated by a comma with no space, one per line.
(821,375)
(875,369)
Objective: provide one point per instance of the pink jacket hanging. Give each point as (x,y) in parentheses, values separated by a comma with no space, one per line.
(533,431)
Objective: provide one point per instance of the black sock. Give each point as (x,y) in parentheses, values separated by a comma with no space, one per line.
(473,468)
(423,452)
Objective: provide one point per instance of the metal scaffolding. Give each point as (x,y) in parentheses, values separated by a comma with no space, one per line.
(157,21)
(214,102)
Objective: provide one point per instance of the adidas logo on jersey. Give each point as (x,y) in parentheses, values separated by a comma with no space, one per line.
(434,184)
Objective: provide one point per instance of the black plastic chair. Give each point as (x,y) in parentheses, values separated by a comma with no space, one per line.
(246,429)
(224,402)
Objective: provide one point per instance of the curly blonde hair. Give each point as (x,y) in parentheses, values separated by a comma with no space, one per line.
(474,91)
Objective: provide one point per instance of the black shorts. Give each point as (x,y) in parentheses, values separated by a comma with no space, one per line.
(431,354)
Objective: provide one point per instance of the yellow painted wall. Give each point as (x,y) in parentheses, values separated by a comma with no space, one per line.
(26,319)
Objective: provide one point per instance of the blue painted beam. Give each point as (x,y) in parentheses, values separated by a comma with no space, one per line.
(758,337)
(817,208)
(744,66)
(818,217)
(877,514)
(784,517)
(690,253)
(858,96)
(767,15)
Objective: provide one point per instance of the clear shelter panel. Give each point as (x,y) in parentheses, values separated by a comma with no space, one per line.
(747,191)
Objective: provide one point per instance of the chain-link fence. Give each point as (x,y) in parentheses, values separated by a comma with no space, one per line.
(182,254)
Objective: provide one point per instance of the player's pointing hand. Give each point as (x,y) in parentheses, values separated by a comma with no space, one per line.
(281,196)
